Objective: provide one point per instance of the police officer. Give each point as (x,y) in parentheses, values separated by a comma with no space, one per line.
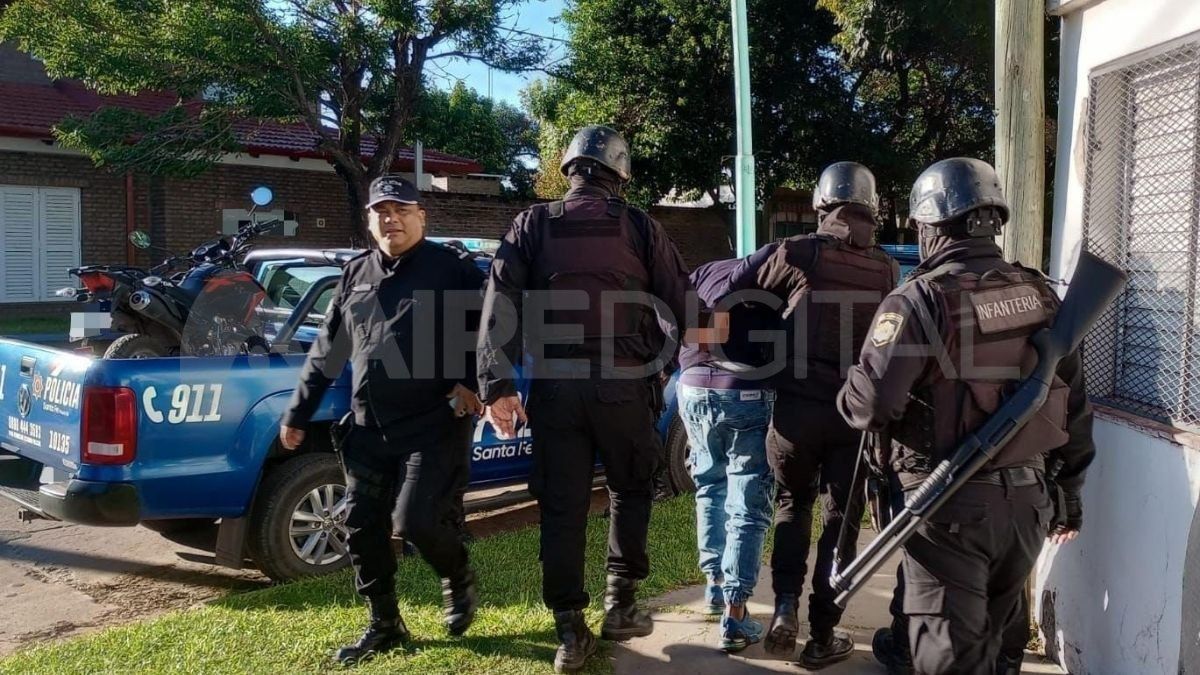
(943,350)
(818,276)
(413,394)
(591,358)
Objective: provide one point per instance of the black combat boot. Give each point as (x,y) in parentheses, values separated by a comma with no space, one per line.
(1010,664)
(895,657)
(785,626)
(385,632)
(622,617)
(575,641)
(460,599)
(825,648)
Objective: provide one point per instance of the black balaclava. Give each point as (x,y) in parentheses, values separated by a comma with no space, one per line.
(586,173)
(931,242)
(852,223)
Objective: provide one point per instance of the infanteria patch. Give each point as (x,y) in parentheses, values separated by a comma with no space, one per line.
(887,327)
(1009,308)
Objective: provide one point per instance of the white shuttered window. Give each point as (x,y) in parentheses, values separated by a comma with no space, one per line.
(39,234)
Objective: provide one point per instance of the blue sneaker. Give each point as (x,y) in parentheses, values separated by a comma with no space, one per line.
(714,599)
(737,635)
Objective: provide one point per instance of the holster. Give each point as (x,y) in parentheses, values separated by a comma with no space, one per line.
(340,430)
(879,488)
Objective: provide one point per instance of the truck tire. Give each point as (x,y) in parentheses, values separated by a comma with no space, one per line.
(297,525)
(677,451)
(136,346)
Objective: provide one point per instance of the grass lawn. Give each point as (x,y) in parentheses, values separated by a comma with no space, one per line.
(16,325)
(295,627)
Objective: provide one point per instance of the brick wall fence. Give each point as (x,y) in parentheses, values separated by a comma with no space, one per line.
(181,213)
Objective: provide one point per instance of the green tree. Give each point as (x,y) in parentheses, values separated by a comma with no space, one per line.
(317,62)
(661,72)
(463,122)
(924,81)
(894,85)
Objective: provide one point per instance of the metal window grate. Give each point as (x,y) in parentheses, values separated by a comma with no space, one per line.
(1142,212)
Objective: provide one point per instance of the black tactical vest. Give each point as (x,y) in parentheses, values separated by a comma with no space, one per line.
(590,254)
(846,280)
(990,319)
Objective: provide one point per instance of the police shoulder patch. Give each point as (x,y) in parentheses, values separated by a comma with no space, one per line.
(887,327)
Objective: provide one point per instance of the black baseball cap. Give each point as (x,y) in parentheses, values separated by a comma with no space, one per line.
(394,188)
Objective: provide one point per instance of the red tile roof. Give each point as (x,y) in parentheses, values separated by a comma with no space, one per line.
(32,110)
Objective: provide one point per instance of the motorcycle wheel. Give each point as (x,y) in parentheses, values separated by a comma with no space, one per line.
(136,346)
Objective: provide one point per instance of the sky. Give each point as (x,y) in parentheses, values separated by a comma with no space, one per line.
(534,16)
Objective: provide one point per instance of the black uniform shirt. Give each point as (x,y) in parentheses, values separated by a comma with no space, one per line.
(897,359)
(407,326)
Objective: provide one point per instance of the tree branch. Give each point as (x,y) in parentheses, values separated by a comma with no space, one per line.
(405,80)
(308,108)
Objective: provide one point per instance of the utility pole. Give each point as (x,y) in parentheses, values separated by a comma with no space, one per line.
(743,168)
(1021,125)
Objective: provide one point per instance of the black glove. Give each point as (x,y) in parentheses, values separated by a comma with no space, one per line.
(1068,511)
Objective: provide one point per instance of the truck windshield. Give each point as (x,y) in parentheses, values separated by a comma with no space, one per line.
(286,285)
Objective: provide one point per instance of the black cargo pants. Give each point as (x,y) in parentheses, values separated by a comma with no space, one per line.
(573,422)
(965,571)
(404,482)
(812,452)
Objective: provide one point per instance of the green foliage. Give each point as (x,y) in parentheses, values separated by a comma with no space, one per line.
(660,71)
(895,85)
(323,63)
(922,79)
(463,122)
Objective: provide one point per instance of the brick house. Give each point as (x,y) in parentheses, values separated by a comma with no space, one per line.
(57,210)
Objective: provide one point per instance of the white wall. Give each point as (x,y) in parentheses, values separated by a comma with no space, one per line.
(1111,602)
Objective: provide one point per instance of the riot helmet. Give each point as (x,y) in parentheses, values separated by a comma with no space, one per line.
(956,187)
(601,145)
(845,183)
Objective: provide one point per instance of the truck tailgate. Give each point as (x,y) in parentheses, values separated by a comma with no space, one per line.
(41,391)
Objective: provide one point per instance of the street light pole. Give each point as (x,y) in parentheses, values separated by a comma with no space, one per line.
(744,163)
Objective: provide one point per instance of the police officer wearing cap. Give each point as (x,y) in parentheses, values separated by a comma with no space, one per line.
(594,356)
(829,285)
(943,351)
(401,316)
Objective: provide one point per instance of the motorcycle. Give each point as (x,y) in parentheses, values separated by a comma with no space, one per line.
(200,304)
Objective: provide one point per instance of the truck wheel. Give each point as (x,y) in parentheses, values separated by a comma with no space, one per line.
(677,458)
(136,346)
(298,524)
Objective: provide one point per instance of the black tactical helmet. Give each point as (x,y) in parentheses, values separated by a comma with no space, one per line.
(602,145)
(953,187)
(845,183)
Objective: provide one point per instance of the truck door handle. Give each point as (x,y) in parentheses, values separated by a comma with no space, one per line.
(27,363)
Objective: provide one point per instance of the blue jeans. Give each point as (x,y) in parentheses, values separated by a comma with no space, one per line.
(727,429)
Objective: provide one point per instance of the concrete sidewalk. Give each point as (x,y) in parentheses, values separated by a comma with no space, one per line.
(684,640)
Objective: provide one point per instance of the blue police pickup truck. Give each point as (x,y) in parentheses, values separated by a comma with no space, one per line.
(173,443)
